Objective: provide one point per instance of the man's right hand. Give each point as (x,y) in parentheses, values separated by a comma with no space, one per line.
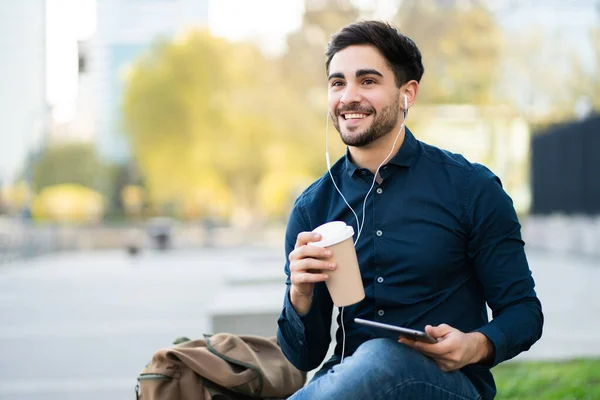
(307,266)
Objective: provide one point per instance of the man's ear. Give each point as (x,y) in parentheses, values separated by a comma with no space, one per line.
(410,90)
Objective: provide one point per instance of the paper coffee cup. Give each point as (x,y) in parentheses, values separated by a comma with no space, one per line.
(345,283)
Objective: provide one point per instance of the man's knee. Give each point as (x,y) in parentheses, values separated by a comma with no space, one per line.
(397,358)
(378,346)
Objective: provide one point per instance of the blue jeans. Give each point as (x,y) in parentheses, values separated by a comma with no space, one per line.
(382,369)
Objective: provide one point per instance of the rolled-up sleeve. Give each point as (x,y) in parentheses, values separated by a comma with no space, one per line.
(497,250)
(304,339)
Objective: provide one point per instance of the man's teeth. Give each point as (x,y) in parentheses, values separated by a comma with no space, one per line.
(353,116)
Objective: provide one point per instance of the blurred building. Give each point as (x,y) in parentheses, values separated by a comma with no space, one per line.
(565,214)
(565,166)
(23,109)
(125,29)
(81,128)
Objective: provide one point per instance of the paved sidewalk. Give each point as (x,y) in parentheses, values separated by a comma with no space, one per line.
(567,286)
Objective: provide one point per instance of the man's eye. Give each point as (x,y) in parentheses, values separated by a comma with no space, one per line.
(369,81)
(337,83)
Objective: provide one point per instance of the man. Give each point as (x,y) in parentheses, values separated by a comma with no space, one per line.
(440,239)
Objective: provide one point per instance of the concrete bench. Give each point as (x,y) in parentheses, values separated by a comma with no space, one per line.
(250,299)
(250,309)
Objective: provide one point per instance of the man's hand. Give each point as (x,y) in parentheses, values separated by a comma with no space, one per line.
(454,348)
(307,264)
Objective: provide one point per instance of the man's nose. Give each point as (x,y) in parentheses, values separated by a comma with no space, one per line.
(351,95)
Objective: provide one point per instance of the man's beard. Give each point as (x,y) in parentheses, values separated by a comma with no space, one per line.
(382,124)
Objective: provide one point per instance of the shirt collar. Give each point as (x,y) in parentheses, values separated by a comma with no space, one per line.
(405,156)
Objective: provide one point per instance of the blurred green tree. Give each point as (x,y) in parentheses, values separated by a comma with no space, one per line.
(76,163)
(461,47)
(586,84)
(304,66)
(305,57)
(548,95)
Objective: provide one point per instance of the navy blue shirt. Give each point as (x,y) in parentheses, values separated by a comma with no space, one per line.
(441,239)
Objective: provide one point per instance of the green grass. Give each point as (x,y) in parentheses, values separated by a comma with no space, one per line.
(574,379)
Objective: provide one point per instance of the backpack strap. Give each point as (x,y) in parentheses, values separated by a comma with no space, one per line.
(244,389)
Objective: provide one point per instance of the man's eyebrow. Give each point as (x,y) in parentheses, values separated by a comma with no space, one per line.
(335,75)
(359,73)
(363,72)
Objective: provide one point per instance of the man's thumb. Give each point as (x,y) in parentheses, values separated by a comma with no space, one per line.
(438,331)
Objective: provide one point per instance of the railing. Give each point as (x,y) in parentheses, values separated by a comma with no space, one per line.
(577,235)
(19,239)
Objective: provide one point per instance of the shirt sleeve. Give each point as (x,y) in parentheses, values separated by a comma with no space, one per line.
(496,247)
(304,340)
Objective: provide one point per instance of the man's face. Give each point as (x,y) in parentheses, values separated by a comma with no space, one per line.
(363,96)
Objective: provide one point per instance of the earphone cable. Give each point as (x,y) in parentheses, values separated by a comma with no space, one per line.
(343,335)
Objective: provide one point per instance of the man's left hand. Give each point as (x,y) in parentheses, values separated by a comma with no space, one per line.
(454,348)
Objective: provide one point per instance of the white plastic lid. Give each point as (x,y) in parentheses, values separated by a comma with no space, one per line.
(332,233)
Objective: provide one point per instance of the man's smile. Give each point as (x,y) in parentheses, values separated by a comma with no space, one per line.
(353,117)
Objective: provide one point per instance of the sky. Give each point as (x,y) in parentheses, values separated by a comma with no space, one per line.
(248,21)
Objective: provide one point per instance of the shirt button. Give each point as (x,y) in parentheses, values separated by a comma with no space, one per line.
(380,313)
(379,233)
(300,342)
(380,280)
(379,190)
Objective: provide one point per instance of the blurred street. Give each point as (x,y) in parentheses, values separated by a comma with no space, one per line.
(77,325)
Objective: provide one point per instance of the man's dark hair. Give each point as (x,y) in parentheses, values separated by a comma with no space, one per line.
(401,53)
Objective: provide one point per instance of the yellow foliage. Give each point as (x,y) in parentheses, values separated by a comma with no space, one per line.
(16,196)
(278,189)
(133,197)
(208,198)
(68,203)
(202,115)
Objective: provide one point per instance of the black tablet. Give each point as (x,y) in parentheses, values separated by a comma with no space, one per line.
(409,333)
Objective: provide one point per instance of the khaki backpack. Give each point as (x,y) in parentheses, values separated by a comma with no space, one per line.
(219,367)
